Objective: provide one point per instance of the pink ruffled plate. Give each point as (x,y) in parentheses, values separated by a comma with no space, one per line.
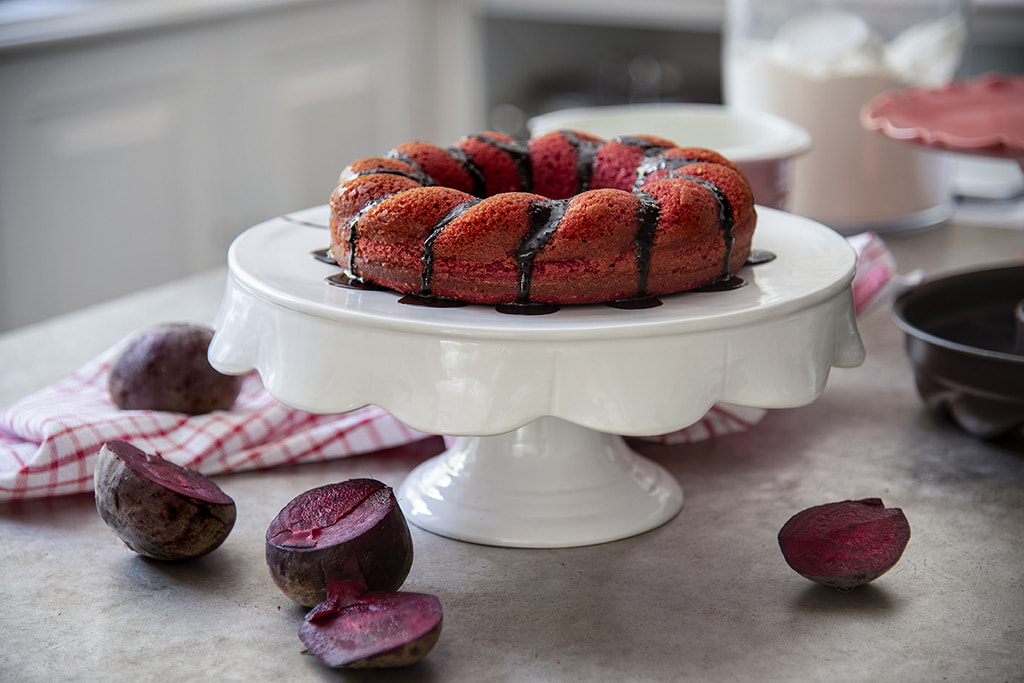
(983,116)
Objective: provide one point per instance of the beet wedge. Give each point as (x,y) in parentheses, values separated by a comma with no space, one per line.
(845,544)
(373,630)
(159,509)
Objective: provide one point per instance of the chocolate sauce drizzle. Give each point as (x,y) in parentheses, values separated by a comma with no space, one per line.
(427,273)
(353,282)
(431,301)
(759,256)
(417,174)
(519,152)
(544,219)
(476,175)
(722,284)
(324,256)
(649,148)
(353,232)
(585,151)
(527,308)
(650,164)
(635,303)
(726,220)
(406,159)
(647,216)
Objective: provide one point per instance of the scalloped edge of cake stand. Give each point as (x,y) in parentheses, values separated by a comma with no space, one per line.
(548,484)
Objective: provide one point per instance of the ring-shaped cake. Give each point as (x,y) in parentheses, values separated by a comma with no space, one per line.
(564,218)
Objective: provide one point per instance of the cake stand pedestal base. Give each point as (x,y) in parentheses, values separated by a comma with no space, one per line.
(548,484)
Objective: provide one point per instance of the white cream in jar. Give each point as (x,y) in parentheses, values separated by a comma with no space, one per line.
(818,70)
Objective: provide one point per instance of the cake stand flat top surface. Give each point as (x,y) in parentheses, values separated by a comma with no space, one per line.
(273,261)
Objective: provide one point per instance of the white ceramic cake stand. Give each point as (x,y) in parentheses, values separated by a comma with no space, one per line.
(538,402)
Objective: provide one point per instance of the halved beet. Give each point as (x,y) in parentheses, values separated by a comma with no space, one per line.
(845,544)
(159,509)
(353,531)
(373,630)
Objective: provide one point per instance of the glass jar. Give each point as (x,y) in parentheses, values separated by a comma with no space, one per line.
(817,63)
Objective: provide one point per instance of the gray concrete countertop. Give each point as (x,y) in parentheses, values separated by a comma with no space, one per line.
(707,596)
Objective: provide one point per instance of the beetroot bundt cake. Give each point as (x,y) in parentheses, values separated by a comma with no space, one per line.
(565,218)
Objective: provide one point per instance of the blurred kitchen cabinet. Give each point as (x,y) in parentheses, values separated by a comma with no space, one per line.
(103,179)
(133,159)
(312,95)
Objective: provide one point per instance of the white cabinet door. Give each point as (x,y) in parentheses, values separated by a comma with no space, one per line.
(103,185)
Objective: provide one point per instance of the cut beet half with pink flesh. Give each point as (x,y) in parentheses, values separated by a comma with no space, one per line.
(373,630)
(845,544)
(160,509)
(349,532)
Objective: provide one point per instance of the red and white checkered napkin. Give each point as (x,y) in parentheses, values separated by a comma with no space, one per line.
(50,439)
(876,278)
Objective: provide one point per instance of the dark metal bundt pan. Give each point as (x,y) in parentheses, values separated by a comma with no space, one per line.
(966,344)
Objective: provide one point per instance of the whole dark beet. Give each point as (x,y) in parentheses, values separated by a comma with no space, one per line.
(373,630)
(351,531)
(165,367)
(159,509)
(845,544)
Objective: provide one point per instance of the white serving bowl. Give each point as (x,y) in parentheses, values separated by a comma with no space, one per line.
(763,145)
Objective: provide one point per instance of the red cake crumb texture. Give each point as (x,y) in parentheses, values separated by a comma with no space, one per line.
(565,218)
